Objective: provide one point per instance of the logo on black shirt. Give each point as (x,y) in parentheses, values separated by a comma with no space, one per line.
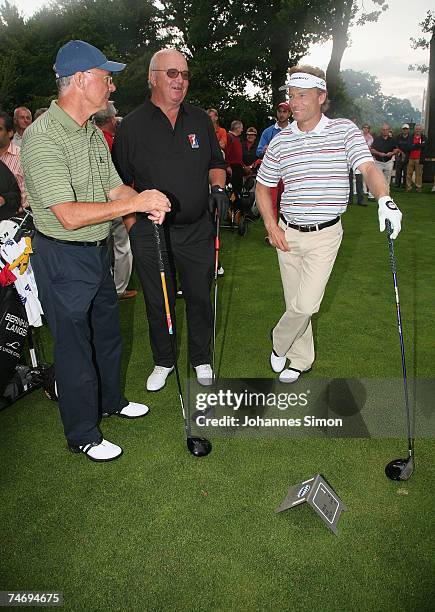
(193,141)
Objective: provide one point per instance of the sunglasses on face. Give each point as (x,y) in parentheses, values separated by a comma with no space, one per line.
(173,73)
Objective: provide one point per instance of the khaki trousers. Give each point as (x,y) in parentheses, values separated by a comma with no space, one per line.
(123,259)
(414,165)
(305,271)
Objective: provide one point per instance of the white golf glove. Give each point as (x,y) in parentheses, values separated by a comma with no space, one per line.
(388,210)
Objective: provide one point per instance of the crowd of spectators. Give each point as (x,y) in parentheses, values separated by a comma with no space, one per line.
(399,156)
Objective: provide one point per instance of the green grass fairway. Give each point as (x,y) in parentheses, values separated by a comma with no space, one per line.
(160,530)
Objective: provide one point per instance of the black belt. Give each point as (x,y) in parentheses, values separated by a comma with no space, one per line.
(97,243)
(311,228)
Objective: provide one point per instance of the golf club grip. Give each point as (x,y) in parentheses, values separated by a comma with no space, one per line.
(159,248)
(217,245)
(391,246)
(163,278)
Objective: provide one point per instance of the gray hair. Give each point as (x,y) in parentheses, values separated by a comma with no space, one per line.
(21,108)
(236,124)
(102,116)
(63,82)
(39,112)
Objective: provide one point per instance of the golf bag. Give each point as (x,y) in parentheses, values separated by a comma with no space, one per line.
(247,198)
(240,210)
(13,332)
(17,377)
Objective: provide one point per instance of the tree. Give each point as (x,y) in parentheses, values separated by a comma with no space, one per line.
(12,35)
(428,27)
(371,105)
(27,49)
(345,12)
(232,41)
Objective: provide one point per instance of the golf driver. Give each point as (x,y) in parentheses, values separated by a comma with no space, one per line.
(199,447)
(400,469)
(216,266)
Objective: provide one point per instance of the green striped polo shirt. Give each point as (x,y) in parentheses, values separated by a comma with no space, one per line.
(64,162)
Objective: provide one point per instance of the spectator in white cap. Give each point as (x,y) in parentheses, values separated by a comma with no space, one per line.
(312,157)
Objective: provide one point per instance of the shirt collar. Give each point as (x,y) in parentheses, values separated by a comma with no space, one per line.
(323,123)
(13,149)
(184,108)
(66,120)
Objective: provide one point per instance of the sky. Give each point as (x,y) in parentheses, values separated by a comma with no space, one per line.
(382,48)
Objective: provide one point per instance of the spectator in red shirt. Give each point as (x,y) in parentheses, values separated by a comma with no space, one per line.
(416,158)
(234,157)
(106,121)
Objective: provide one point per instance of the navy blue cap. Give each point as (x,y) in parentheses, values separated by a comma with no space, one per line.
(78,56)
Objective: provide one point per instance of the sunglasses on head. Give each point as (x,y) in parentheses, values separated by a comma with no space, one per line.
(173,73)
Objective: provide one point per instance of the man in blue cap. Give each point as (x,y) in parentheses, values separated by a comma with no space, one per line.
(75,192)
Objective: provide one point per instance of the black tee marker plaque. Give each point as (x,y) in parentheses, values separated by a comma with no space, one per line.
(320,496)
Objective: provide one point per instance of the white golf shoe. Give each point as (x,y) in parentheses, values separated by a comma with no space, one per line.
(204,374)
(277,363)
(157,379)
(290,375)
(98,451)
(131,411)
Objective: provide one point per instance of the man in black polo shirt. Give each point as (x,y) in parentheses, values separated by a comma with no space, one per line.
(404,145)
(172,146)
(383,149)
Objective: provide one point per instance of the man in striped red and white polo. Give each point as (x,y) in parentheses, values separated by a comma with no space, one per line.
(312,156)
(10,154)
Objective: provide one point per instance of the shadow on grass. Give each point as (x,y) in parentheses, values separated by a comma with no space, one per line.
(223,315)
(350,243)
(127,311)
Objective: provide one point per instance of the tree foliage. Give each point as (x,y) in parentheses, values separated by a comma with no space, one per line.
(123,29)
(345,13)
(371,105)
(233,47)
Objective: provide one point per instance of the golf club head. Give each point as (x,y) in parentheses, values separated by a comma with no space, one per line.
(400,469)
(199,447)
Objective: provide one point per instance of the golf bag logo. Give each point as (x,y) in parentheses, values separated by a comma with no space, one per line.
(13,345)
(304,490)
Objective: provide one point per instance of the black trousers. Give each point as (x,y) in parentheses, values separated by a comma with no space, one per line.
(400,177)
(188,249)
(79,300)
(359,187)
(236,179)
